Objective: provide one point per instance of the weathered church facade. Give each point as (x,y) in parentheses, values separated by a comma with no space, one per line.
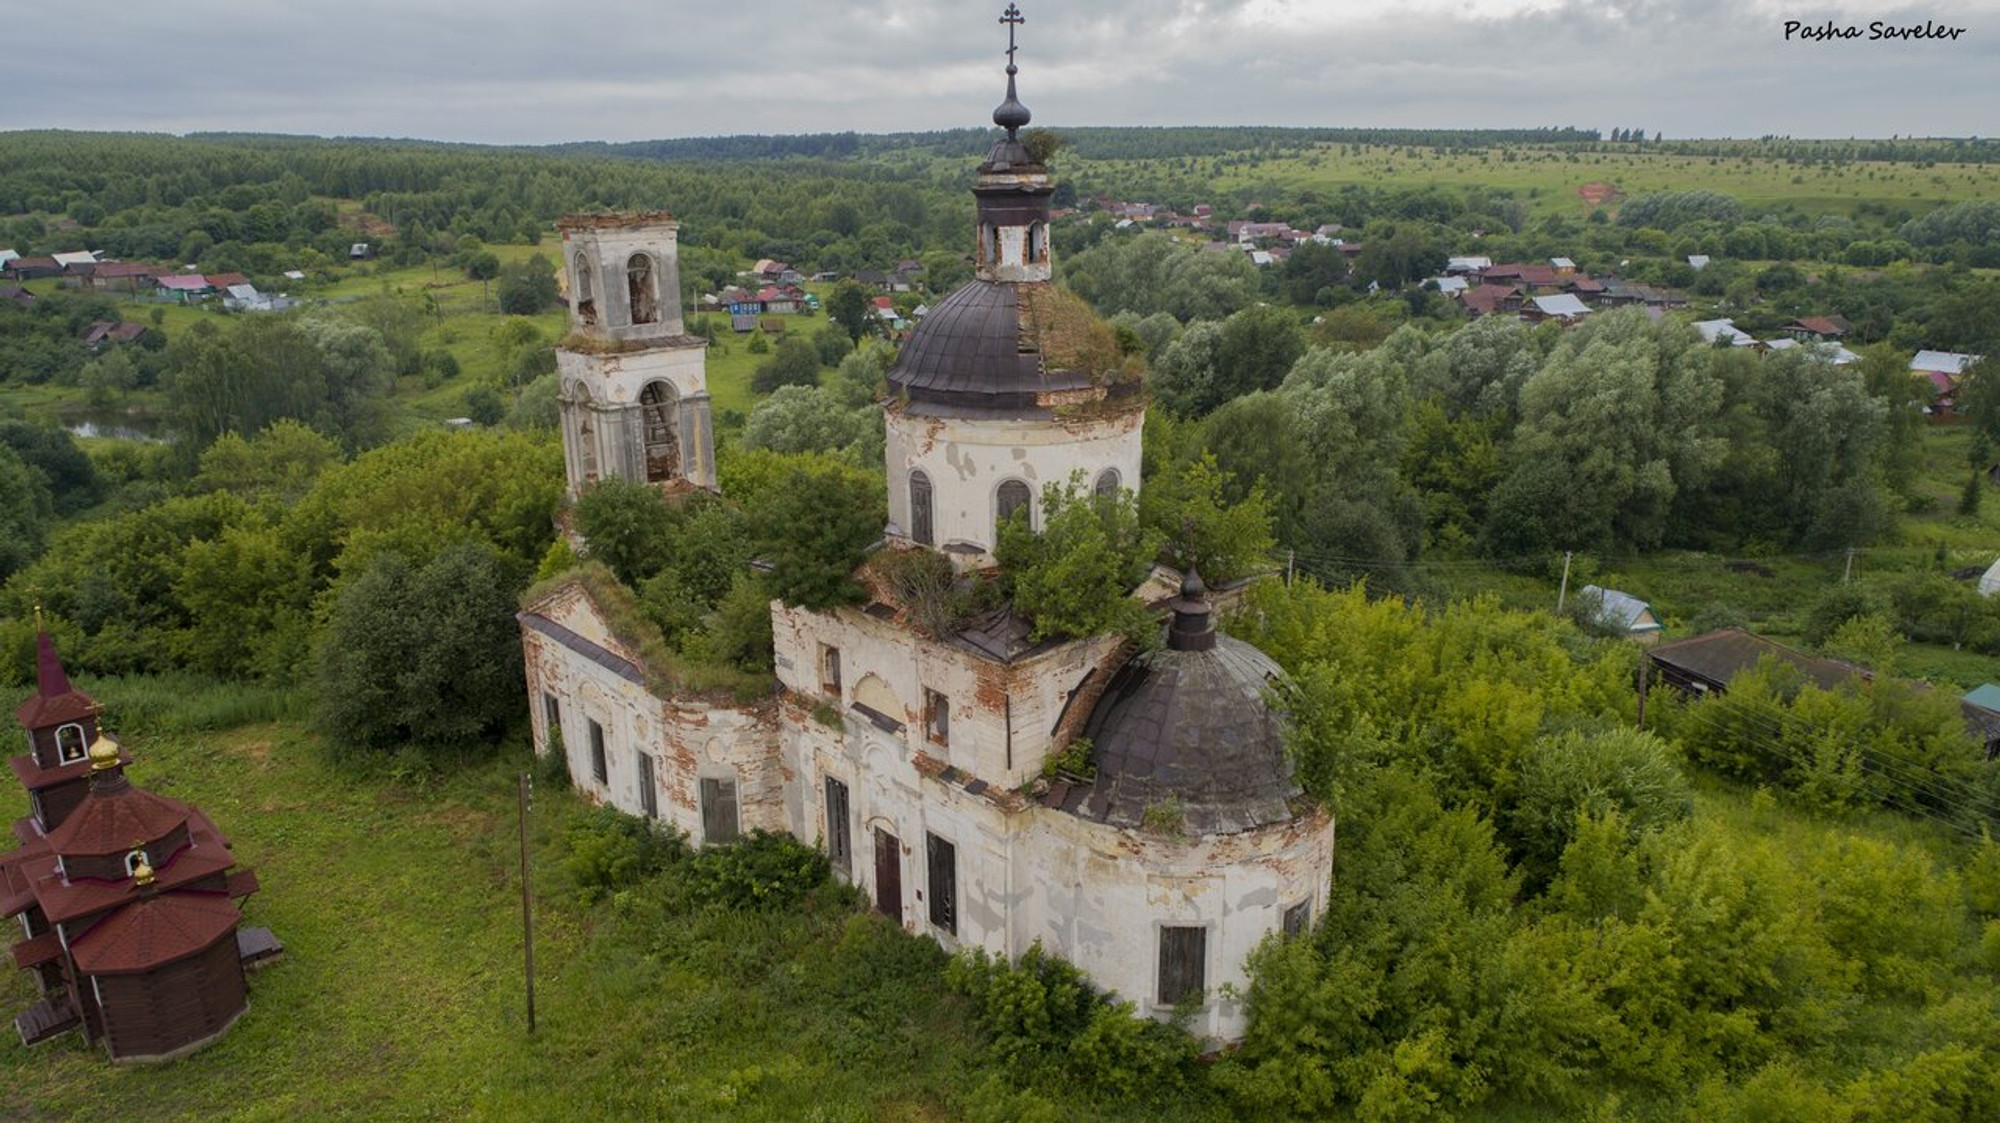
(915,762)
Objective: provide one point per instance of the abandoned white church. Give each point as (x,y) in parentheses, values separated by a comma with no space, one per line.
(1192,843)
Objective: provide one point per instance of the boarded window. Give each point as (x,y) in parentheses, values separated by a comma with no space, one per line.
(718,810)
(1107,484)
(69,744)
(1013,496)
(600,768)
(659,412)
(920,510)
(829,670)
(1183,959)
(937,717)
(649,791)
(644,293)
(941,858)
(1298,919)
(839,841)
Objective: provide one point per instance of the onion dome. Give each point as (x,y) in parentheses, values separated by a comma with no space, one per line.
(104,753)
(1189,730)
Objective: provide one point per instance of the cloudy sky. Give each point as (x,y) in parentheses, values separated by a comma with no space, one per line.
(539,71)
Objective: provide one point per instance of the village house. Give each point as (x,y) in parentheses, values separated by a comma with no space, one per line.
(915,760)
(1832,329)
(31,268)
(1622,613)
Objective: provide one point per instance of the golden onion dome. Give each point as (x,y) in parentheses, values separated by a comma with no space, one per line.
(103,754)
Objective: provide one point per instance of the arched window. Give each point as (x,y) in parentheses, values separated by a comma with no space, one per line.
(1013,496)
(1038,242)
(134,860)
(989,243)
(1107,483)
(586,295)
(920,509)
(659,408)
(70,746)
(644,293)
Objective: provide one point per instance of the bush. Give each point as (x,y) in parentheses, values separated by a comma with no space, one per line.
(610,850)
(1568,775)
(1074,578)
(762,870)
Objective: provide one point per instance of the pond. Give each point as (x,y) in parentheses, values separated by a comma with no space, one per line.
(124,425)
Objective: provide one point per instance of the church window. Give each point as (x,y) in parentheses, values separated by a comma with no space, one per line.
(829,670)
(600,767)
(718,810)
(942,864)
(1107,484)
(839,840)
(920,510)
(1013,496)
(659,409)
(1298,919)
(1183,967)
(937,717)
(649,791)
(551,719)
(69,744)
(133,861)
(586,296)
(644,292)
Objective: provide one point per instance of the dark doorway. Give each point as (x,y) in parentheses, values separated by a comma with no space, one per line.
(888,875)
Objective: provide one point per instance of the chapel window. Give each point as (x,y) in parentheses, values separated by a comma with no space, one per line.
(649,792)
(134,860)
(937,717)
(1183,964)
(829,671)
(941,861)
(644,292)
(718,810)
(920,509)
(1013,496)
(659,409)
(600,765)
(70,747)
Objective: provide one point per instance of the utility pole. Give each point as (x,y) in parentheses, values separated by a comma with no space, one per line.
(1291,564)
(527,907)
(1645,665)
(1849,571)
(1563,593)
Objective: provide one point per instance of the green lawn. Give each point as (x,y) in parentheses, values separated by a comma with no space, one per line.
(400,992)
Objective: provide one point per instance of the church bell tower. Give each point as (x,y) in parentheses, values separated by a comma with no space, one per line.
(634,385)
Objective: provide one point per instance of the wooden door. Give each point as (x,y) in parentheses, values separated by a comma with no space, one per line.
(888,875)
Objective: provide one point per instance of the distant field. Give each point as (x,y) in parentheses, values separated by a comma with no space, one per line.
(1550,178)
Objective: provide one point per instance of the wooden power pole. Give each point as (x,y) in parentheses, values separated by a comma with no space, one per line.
(527,906)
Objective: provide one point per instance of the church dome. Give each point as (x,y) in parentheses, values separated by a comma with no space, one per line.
(1189,728)
(1011,347)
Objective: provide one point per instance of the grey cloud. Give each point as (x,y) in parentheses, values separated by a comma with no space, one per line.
(513,71)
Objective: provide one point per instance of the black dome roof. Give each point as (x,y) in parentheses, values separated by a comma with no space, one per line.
(1191,728)
(974,349)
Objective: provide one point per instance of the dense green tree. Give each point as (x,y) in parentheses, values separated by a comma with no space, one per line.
(279,463)
(26,512)
(849,307)
(1074,576)
(528,287)
(626,525)
(796,363)
(426,656)
(814,525)
(68,474)
(814,419)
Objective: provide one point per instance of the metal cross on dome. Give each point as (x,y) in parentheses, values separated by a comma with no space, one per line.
(1013,18)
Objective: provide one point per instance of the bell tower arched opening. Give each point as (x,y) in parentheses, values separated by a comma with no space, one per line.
(643,289)
(659,410)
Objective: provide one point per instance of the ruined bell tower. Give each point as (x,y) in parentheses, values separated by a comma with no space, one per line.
(634,385)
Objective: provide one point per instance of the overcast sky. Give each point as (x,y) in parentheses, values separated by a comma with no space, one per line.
(541,71)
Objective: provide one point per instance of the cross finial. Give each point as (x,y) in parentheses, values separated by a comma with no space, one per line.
(1013,18)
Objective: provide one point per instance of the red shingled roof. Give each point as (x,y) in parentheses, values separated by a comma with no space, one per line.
(55,700)
(151,933)
(114,816)
(1486,299)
